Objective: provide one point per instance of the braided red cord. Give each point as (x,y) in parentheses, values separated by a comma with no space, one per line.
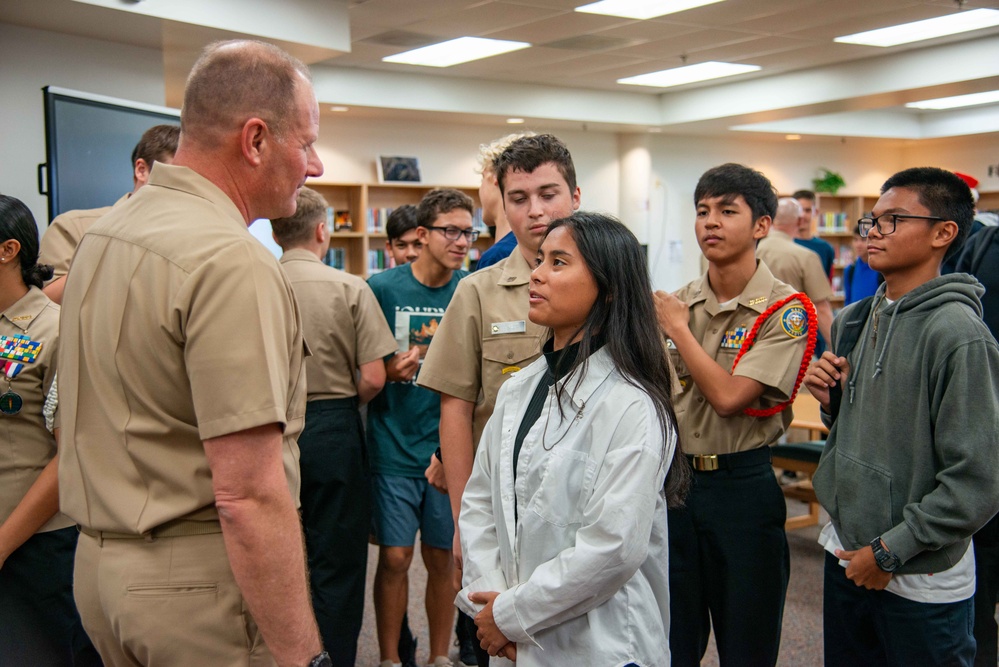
(805,359)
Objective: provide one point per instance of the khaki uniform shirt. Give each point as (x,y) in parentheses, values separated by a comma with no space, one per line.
(177,327)
(64,234)
(27,444)
(484,336)
(774,360)
(795,265)
(343,324)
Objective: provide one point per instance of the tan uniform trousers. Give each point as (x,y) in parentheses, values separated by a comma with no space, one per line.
(167,601)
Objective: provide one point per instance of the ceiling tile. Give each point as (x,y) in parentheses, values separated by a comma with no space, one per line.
(558,27)
(484,19)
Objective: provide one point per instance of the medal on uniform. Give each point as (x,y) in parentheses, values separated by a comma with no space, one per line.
(10,401)
(17,350)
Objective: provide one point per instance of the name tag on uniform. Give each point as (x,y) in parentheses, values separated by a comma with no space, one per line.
(498,328)
(734,339)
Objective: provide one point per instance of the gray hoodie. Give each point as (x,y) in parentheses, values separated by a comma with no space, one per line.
(914,453)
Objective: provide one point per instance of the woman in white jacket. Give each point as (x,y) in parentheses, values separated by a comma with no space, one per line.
(563,522)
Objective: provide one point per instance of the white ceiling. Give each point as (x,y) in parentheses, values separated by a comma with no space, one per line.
(808,84)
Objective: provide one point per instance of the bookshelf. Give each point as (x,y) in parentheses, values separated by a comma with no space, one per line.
(359,212)
(838,214)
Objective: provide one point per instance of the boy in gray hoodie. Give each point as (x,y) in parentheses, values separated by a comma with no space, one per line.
(911,468)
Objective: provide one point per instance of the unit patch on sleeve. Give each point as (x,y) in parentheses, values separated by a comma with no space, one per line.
(794,321)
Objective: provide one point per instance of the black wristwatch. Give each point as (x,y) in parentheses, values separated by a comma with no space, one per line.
(438,455)
(885,559)
(321,660)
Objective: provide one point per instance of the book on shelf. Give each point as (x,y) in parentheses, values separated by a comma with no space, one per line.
(377,219)
(834,223)
(336,257)
(377,261)
(338,220)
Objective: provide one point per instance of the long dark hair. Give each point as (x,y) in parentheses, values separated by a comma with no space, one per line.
(16,222)
(625,317)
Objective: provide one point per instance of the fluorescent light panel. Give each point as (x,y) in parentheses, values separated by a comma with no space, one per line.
(917,31)
(973,99)
(456,51)
(688,74)
(642,9)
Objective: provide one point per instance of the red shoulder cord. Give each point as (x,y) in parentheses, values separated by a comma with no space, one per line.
(805,359)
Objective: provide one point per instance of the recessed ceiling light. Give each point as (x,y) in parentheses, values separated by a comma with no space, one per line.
(456,51)
(515,121)
(956,101)
(688,74)
(340,109)
(917,31)
(793,137)
(641,9)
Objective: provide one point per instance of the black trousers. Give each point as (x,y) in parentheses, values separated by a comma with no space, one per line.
(39,624)
(863,628)
(729,566)
(986,543)
(336,513)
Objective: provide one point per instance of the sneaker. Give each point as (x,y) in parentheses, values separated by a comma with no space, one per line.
(441,661)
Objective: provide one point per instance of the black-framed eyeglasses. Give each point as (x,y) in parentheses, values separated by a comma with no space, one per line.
(886,223)
(454,233)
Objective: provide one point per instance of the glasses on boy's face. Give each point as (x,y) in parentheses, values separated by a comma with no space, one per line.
(455,233)
(886,223)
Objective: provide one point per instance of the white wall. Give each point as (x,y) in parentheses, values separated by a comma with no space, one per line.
(448,153)
(678,162)
(32,59)
(969,155)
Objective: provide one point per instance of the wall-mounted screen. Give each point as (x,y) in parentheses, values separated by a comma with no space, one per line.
(88,147)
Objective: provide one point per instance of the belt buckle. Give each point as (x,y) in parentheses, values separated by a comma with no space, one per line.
(706,462)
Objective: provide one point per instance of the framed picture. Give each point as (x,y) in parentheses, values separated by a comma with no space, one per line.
(397,169)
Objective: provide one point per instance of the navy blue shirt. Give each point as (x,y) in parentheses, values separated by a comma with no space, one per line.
(498,252)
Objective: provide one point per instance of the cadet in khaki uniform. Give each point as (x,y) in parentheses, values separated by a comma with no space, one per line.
(348,336)
(796,265)
(38,620)
(182,387)
(486,334)
(157,144)
(729,560)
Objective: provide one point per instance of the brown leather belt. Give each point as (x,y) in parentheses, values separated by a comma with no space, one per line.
(177,528)
(747,459)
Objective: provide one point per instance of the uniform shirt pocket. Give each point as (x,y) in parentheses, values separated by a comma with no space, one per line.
(564,488)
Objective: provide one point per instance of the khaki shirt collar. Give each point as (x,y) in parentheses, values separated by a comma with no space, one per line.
(23,312)
(191,182)
(516,270)
(299,255)
(755,296)
(778,234)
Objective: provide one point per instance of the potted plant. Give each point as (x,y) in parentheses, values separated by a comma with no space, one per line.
(830,182)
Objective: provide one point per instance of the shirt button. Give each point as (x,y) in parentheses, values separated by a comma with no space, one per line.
(697,434)
(700,399)
(509,355)
(714,331)
(510,279)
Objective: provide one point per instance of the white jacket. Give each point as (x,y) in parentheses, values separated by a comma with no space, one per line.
(583,568)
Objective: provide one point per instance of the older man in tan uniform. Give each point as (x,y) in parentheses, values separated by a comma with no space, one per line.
(182,386)
(796,265)
(348,336)
(157,144)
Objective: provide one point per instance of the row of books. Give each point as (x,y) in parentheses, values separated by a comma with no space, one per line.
(834,223)
(336,257)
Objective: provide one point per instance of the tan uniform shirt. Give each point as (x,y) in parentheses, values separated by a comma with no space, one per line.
(343,324)
(795,265)
(177,327)
(27,444)
(64,234)
(484,336)
(773,360)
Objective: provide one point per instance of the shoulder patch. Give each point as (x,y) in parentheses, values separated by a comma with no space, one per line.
(794,321)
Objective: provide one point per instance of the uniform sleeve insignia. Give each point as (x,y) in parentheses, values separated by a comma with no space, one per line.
(794,321)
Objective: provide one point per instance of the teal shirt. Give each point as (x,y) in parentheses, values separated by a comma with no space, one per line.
(403,419)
